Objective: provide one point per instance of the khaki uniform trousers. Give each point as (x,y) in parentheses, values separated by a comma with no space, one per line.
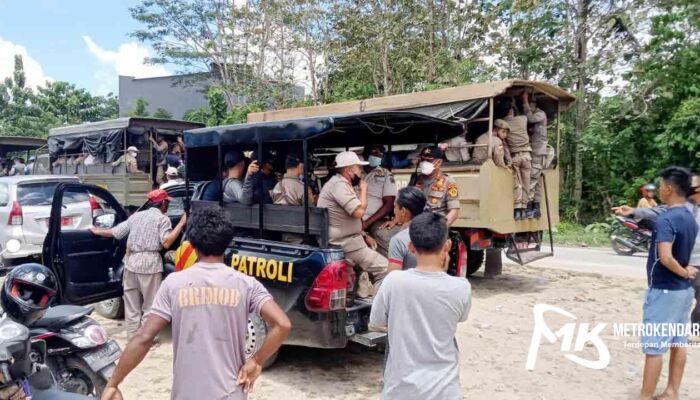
(139,292)
(382,236)
(535,182)
(371,262)
(522,165)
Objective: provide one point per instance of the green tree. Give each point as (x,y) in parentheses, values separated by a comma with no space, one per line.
(162,113)
(70,105)
(20,114)
(140,108)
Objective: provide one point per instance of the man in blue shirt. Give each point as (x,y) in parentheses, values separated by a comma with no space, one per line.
(670,295)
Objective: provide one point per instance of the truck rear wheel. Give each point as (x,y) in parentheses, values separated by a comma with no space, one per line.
(255,336)
(475,258)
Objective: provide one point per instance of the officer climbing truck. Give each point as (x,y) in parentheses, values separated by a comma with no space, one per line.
(312,281)
(486,221)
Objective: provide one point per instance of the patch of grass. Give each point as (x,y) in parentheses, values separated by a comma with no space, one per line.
(573,234)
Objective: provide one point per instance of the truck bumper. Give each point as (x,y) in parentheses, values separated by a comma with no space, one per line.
(319,330)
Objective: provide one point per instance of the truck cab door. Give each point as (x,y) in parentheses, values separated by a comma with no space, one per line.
(88,267)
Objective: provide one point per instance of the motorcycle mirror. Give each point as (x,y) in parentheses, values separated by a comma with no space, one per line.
(13,245)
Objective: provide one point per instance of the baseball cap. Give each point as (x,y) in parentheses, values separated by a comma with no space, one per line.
(431,152)
(348,158)
(158,196)
(499,123)
(171,171)
(232,158)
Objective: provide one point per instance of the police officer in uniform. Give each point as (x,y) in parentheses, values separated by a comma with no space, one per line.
(345,212)
(439,188)
(381,193)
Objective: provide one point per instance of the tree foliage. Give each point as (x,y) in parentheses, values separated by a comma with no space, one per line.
(25,112)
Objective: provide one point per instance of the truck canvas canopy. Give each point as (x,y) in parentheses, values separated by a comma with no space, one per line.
(390,128)
(110,138)
(459,101)
(13,144)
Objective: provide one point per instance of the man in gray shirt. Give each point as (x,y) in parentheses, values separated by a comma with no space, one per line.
(420,308)
(409,203)
(234,161)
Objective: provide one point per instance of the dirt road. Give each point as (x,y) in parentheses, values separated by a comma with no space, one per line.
(494,345)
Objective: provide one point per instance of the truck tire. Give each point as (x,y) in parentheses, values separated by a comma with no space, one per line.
(475,258)
(112,308)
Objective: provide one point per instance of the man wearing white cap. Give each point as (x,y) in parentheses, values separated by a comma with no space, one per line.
(129,159)
(173,178)
(345,212)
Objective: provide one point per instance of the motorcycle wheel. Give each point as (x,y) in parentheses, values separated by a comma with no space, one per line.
(618,247)
(621,249)
(83,380)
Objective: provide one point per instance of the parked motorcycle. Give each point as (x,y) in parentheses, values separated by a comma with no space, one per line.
(78,350)
(22,374)
(629,236)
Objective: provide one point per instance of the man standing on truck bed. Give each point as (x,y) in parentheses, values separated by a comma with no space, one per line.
(420,308)
(208,306)
(538,140)
(521,155)
(149,232)
(345,212)
(440,189)
(381,193)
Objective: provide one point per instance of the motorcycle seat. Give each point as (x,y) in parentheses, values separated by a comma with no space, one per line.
(62,315)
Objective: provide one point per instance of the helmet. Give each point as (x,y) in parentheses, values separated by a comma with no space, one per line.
(28,291)
(648,187)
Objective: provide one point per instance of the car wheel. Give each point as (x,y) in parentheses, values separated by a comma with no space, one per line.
(112,308)
(254,338)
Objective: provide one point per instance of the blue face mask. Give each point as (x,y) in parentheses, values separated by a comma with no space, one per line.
(374,161)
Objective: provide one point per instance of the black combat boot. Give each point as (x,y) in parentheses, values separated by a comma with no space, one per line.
(536,213)
(518,214)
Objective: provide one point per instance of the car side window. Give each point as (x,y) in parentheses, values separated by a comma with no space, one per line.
(4,195)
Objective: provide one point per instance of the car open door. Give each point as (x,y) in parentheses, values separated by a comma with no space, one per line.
(89,268)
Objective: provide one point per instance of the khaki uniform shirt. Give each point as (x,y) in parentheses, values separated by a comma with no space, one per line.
(499,155)
(441,193)
(131,164)
(289,191)
(517,139)
(341,201)
(538,126)
(380,184)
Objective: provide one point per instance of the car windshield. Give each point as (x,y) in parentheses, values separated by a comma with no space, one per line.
(41,194)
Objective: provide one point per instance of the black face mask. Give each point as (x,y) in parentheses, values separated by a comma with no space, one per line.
(355,180)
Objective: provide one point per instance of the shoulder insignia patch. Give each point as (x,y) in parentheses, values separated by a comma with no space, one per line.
(452,190)
(433,200)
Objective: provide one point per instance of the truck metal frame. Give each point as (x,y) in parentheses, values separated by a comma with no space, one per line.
(112,137)
(486,195)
